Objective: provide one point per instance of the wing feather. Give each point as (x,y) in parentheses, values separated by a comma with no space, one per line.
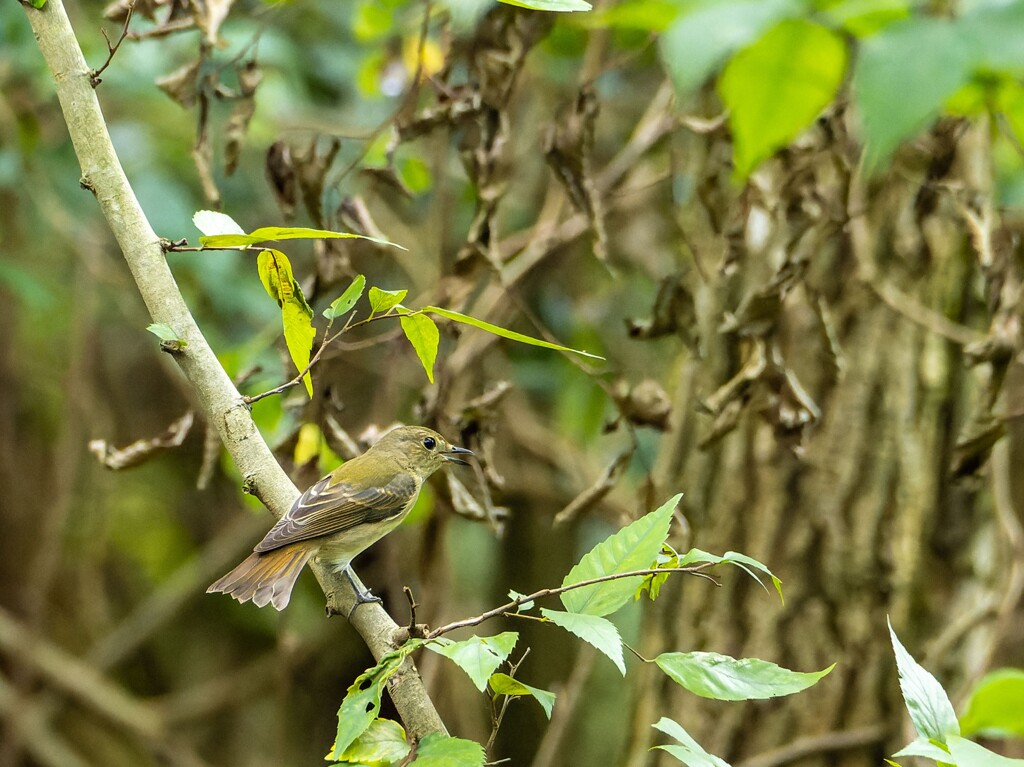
(326,509)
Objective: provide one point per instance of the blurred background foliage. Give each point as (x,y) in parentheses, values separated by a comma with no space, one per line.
(821,355)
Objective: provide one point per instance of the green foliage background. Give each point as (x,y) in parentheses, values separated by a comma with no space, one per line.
(854,505)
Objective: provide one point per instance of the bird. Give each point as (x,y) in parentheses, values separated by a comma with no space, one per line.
(341,515)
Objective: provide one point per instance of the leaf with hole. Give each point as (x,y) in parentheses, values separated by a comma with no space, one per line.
(343,303)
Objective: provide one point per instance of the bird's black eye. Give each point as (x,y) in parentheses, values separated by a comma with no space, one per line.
(429,443)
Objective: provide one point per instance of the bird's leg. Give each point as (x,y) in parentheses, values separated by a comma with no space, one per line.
(363,596)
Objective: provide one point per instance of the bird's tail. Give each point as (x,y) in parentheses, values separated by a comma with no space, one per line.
(265,578)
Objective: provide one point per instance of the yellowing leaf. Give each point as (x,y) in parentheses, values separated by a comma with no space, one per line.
(296,315)
(298,336)
(422,334)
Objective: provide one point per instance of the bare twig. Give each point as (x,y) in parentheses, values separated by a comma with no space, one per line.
(518,602)
(94,75)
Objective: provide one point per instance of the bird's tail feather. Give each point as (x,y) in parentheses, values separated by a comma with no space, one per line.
(265,578)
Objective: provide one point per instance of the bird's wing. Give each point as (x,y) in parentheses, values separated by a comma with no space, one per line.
(326,509)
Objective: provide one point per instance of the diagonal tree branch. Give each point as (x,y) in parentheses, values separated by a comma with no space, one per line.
(221,403)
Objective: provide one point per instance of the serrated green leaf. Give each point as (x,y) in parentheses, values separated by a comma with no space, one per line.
(465,319)
(382,301)
(213,222)
(424,337)
(965,753)
(721,677)
(165,333)
(362,701)
(634,547)
(503,684)
(996,705)
(346,300)
(592,629)
(479,657)
(697,43)
(383,741)
(689,751)
(928,705)
(778,86)
(437,750)
(560,6)
(928,58)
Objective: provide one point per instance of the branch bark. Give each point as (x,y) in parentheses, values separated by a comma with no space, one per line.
(221,403)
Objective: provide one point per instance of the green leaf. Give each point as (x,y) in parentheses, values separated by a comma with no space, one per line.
(996,705)
(479,657)
(213,222)
(166,334)
(437,750)
(383,741)
(697,43)
(930,61)
(778,86)
(597,631)
(688,751)
(634,547)
(929,706)
(265,233)
(37,4)
(644,15)
(866,17)
(346,300)
(422,334)
(296,315)
(993,36)
(362,701)
(384,300)
(271,233)
(924,748)
(503,684)
(550,5)
(745,563)
(711,675)
(298,337)
(513,595)
(499,331)
(965,753)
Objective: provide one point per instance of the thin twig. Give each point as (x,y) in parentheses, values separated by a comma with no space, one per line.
(499,715)
(518,602)
(94,75)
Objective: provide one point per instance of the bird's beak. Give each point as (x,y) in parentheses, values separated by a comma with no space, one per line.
(450,455)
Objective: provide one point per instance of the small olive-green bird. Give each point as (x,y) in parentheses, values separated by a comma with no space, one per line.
(344,513)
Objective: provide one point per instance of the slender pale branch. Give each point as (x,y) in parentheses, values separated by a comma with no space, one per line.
(220,401)
(519,601)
